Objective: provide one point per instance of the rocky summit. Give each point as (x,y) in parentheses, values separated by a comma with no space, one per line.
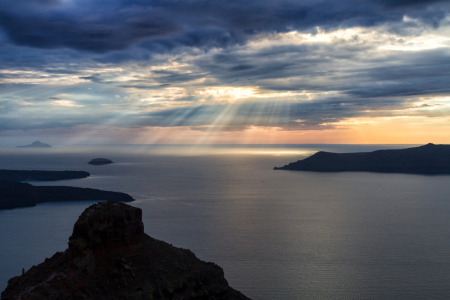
(110,257)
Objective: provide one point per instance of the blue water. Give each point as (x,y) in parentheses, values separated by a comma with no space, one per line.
(276,234)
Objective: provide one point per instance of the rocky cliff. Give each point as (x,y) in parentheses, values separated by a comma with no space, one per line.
(110,257)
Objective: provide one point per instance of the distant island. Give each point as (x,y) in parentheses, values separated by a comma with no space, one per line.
(110,257)
(427,159)
(14,194)
(36,144)
(100,161)
(23,175)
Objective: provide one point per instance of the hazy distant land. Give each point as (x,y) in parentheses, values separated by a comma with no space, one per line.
(36,144)
(427,159)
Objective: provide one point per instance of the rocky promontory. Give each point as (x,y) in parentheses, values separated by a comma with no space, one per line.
(427,159)
(15,194)
(110,257)
(37,175)
(100,161)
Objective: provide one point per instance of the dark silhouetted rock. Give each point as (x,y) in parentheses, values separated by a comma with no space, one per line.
(36,144)
(100,161)
(110,257)
(36,175)
(427,159)
(15,194)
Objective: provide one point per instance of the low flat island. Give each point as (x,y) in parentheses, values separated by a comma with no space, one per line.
(38,175)
(427,159)
(100,161)
(14,194)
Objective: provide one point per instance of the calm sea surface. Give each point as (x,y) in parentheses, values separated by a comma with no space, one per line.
(277,234)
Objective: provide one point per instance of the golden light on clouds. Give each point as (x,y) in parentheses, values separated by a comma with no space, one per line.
(66,103)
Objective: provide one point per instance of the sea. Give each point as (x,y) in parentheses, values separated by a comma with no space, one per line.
(277,234)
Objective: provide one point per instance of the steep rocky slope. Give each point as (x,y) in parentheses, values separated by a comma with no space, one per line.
(110,257)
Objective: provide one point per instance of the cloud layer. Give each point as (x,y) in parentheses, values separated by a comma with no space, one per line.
(227,66)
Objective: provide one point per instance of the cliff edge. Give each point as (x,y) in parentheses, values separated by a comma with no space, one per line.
(110,257)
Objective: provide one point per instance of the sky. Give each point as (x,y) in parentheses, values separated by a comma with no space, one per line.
(214,71)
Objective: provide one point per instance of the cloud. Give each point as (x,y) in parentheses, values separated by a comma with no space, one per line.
(116,30)
(221,66)
(165,25)
(66,103)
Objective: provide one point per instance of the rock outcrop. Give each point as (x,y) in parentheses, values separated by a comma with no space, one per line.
(427,159)
(109,257)
(15,194)
(100,161)
(36,144)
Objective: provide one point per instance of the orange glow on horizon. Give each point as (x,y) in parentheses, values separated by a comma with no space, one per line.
(400,130)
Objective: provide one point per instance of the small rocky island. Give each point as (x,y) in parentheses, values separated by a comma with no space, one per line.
(427,159)
(110,257)
(100,161)
(37,175)
(14,194)
(36,144)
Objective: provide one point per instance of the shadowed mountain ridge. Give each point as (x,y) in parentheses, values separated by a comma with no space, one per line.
(426,159)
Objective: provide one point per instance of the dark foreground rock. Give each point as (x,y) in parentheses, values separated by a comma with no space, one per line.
(36,144)
(109,257)
(427,159)
(15,194)
(100,161)
(24,175)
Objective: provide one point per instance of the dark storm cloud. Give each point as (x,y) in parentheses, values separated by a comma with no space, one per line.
(165,24)
(407,3)
(66,31)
